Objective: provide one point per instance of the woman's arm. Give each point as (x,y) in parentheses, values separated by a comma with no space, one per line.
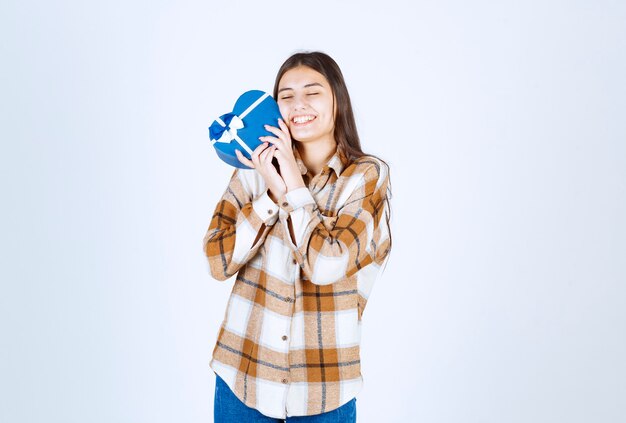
(238,227)
(329,252)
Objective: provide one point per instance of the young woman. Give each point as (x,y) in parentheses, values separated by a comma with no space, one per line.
(307,238)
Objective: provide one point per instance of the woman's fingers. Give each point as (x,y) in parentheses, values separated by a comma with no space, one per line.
(268,171)
(274,130)
(284,127)
(282,139)
(244,159)
(267,152)
(272,140)
(281,132)
(256,152)
(262,162)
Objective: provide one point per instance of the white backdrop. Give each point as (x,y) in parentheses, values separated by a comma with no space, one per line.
(504,299)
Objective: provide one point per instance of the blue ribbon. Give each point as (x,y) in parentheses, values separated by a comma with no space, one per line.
(225,128)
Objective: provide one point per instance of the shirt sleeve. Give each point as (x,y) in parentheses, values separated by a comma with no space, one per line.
(238,228)
(331,249)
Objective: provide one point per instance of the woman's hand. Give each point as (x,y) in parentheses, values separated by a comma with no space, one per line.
(289,169)
(262,161)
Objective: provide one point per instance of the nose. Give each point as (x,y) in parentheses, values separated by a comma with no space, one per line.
(299,102)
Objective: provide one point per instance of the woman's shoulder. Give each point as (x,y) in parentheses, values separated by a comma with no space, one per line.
(371,166)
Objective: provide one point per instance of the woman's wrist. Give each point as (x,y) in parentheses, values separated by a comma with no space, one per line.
(294,183)
(294,180)
(273,197)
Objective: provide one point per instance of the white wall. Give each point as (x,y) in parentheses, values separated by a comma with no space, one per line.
(503,122)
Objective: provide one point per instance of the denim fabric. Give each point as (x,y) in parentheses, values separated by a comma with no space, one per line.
(228,408)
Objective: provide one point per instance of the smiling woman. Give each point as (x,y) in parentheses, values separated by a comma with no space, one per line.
(307,240)
(306,100)
(326,81)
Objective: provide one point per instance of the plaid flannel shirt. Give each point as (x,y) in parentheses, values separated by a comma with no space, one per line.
(289,342)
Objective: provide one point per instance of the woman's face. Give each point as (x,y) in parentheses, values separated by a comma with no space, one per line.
(306,102)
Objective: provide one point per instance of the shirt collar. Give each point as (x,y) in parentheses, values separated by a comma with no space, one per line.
(334,162)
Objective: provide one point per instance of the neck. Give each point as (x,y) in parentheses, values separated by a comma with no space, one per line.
(315,154)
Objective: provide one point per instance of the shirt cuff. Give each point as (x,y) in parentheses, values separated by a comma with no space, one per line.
(295,199)
(265,208)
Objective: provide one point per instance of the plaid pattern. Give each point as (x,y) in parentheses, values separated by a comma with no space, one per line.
(289,343)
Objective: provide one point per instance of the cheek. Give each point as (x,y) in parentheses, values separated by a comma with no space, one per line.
(284,111)
(325,106)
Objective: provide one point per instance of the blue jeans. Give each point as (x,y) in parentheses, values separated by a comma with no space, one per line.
(227,408)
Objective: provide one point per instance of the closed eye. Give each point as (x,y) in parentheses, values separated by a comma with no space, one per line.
(312,93)
(286,97)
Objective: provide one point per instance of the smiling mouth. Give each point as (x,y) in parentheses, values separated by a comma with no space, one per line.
(302,120)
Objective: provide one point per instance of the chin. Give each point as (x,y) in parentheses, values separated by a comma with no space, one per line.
(300,137)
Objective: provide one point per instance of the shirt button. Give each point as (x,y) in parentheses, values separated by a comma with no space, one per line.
(284,337)
(285,204)
(284,380)
(270,211)
(294,261)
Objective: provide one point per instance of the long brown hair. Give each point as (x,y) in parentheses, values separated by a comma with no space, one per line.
(345,132)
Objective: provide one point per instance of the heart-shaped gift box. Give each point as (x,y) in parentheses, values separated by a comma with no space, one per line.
(241,129)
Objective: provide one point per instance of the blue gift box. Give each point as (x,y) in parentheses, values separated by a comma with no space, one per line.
(241,129)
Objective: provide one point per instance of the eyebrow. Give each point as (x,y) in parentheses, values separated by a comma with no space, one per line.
(306,86)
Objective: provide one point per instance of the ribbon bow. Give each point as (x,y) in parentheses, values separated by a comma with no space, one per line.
(226,128)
